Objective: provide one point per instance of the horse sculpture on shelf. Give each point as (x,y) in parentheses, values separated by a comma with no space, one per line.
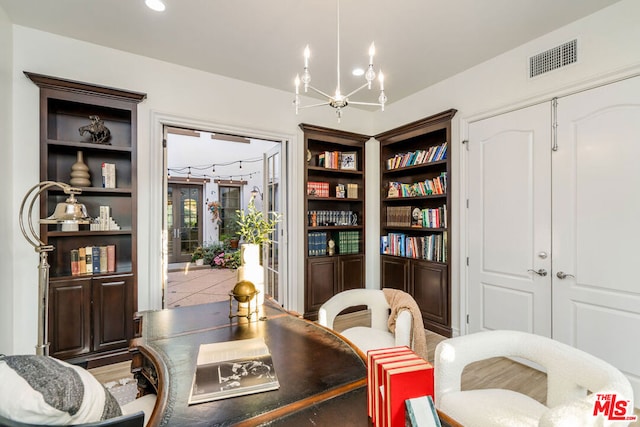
(100,134)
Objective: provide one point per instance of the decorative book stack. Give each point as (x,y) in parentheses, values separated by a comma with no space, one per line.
(93,259)
(394,375)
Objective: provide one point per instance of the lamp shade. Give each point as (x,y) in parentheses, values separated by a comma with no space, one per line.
(69,211)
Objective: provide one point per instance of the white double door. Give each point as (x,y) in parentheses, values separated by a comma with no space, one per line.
(554,223)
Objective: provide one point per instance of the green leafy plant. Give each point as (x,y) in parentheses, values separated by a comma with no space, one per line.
(197,254)
(254,227)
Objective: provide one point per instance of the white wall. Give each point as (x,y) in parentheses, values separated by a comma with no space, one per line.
(608,48)
(171,90)
(609,44)
(7,217)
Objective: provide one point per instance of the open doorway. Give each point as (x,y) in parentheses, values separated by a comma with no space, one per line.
(210,176)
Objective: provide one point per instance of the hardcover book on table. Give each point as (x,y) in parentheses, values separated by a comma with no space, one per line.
(421,412)
(402,383)
(232,368)
(375,358)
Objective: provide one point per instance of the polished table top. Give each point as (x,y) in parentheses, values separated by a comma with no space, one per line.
(322,377)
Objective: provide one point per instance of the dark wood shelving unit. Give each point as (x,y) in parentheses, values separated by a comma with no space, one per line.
(91,316)
(326,275)
(428,281)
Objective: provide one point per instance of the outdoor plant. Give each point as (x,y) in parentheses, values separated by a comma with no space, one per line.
(227,260)
(197,254)
(254,227)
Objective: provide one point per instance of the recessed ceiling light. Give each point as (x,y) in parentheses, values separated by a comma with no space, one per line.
(156,5)
(358,72)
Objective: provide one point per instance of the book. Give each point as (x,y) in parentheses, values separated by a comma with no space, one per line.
(232,368)
(111,258)
(75,262)
(82,263)
(402,383)
(375,358)
(95,259)
(89,258)
(421,412)
(406,360)
(103,259)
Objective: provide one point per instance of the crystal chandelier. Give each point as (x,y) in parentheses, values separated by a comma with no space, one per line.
(338,100)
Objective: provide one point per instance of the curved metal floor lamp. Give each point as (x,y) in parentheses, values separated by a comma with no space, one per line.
(67,213)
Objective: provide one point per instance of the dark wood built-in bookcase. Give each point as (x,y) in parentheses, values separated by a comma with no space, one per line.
(333,158)
(415,215)
(91,315)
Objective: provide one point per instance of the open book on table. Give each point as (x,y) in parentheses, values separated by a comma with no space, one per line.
(232,368)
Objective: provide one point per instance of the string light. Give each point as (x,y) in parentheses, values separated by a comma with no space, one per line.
(189,174)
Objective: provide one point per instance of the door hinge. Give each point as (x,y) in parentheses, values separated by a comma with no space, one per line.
(467,261)
(467,203)
(466,143)
(554,124)
(467,319)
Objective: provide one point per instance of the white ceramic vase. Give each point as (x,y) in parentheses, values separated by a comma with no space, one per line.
(251,269)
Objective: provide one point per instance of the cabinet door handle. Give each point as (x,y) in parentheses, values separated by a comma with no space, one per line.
(542,272)
(563,275)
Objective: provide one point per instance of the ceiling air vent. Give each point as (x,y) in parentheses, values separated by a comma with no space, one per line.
(553,58)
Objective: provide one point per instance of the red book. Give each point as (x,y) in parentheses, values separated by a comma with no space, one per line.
(402,383)
(378,379)
(372,357)
(111,258)
(382,369)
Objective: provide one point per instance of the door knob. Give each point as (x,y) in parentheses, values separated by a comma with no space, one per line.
(542,272)
(542,255)
(563,275)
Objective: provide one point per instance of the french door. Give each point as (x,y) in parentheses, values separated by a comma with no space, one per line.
(565,210)
(184,221)
(274,259)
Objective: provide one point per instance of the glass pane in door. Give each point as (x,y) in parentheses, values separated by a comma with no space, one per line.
(190,227)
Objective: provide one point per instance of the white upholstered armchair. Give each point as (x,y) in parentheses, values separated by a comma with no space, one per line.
(376,336)
(571,373)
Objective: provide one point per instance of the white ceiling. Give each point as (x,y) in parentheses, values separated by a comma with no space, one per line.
(418,42)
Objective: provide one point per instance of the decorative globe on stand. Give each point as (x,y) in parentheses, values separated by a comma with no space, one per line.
(244,292)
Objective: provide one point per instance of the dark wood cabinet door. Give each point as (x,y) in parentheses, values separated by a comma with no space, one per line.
(112,308)
(351,270)
(431,292)
(395,273)
(70,317)
(322,279)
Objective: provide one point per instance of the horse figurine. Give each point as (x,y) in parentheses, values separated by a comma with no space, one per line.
(100,134)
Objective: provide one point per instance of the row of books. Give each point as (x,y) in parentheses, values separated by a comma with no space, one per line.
(93,259)
(323,218)
(321,189)
(338,160)
(409,216)
(108,175)
(418,157)
(317,243)
(395,375)
(348,242)
(437,185)
(431,248)
(318,189)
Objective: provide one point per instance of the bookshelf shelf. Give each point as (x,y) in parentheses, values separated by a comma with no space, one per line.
(90,314)
(417,259)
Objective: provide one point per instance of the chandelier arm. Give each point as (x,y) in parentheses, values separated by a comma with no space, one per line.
(320,92)
(375,104)
(313,105)
(356,91)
